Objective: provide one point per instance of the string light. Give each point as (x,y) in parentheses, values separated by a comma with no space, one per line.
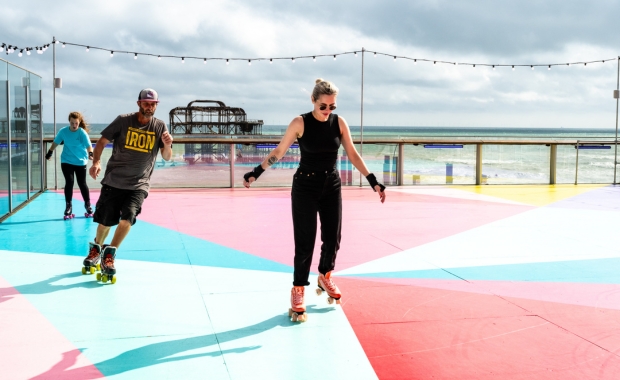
(135,56)
(205,61)
(9,49)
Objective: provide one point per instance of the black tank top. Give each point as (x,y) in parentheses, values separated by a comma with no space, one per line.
(320,143)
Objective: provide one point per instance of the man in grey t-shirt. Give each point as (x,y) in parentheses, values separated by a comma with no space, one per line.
(137,137)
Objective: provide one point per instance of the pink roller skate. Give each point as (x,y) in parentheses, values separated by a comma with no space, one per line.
(326,284)
(69,212)
(89,210)
(91,262)
(297,312)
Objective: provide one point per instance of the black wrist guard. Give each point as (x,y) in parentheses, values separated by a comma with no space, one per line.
(90,154)
(256,172)
(372,180)
(49,154)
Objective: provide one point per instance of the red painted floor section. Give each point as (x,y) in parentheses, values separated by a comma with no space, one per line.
(31,347)
(409,332)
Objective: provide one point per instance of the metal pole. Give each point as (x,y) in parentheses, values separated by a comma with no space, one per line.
(9,150)
(478,164)
(54,87)
(401,162)
(553,164)
(362,115)
(41,147)
(232,165)
(616,151)
(28,145)
(577,162)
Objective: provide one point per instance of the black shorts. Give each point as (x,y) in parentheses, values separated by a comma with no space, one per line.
(118,204)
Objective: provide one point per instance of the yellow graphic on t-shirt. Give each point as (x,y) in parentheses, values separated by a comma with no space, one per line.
(142,141)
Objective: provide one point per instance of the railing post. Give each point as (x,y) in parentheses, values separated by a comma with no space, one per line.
(401,160)
(231,161)
(576,161)
(553,164)
(478,164)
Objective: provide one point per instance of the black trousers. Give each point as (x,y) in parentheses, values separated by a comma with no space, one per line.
(69,171)
(315,192)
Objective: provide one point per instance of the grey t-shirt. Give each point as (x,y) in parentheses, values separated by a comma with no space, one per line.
(134,152)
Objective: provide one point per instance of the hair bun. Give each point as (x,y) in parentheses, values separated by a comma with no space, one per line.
(319,80)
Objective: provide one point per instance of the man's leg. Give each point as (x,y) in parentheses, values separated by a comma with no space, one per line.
(121,232)
(102,234)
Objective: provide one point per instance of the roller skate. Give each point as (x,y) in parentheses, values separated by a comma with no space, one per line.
(297,312)
(89,210)
(69,212)
(108,271)
(327,285)
(91,262)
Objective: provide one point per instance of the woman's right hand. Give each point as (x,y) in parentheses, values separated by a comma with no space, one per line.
(248,179)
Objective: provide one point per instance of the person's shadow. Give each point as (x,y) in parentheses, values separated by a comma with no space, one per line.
(46,286)
(161,352)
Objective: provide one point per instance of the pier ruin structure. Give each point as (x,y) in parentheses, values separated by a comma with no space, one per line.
(210,117)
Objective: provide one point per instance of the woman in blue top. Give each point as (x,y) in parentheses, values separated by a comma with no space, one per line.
(316,190)
(75,154)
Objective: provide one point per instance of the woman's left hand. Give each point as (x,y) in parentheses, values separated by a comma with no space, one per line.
(381,192)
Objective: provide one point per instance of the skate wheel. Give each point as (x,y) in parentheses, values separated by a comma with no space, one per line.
(83,270)
(92,270)
(338,301)
(113,280)
(330,300)
(301,317)
(319,291)
(98,276)
(104,278)
(99,267)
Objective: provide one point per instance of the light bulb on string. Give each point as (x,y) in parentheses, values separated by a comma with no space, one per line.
(493,67)
(355,54)
(585,63)
(20,53)
(227,62)
(568,64)
(56,41)
(549,68)
(394,58)
(63,45)
(375,55)
(474,65)
(182,59)
(314,59)
(293,59)
(334,57)
(513,67)
(2,48)
(111,54)
(135,56)
(205,61)
(270,61)
(87,49)
(249,62)
(415,61)
(532,66)
(159,57)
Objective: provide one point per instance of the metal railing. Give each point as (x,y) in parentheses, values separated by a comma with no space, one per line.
(227,148)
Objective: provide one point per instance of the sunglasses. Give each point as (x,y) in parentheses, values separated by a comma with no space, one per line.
(323,107)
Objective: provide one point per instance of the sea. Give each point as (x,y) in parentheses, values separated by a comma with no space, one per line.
(502,164)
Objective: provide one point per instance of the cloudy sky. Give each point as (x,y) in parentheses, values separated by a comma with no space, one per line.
(396,92)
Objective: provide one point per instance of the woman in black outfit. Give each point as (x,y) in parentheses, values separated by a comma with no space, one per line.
(316,188)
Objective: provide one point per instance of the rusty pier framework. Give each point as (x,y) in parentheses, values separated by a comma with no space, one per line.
(210,117)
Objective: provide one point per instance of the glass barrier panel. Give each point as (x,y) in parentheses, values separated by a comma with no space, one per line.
(596,164)
(439,164)
(4,142)
(18,79)
(515,164)
(36,133)
(565,164)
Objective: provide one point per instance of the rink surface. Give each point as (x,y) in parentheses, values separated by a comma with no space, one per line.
(491,282)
